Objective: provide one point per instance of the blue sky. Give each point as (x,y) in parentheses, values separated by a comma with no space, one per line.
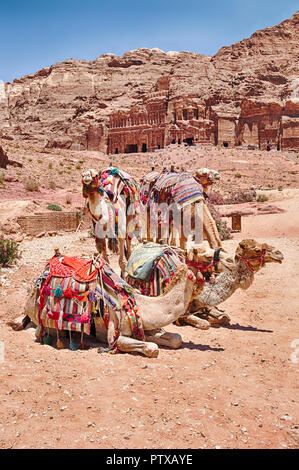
(37,33)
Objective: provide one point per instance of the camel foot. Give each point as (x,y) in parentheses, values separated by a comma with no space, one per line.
(162,338)
(127,344)
(151,350)
(194,321)
(213,316)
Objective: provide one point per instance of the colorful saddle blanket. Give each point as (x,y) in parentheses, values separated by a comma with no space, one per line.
(173,187)
(72,291)
(116,182)
(151,266)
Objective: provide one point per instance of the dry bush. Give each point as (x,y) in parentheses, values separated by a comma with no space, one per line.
(31,185)
(68,199)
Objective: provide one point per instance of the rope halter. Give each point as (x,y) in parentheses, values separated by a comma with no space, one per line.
(247,261)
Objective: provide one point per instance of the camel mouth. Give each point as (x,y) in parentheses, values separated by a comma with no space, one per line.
(276,257)
(87,181)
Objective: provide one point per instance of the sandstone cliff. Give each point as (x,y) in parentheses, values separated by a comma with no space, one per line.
(247,94)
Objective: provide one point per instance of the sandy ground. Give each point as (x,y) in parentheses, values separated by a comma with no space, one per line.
(229,387)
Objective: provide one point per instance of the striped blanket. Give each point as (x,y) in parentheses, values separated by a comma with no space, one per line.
(172,187)
(116,182)
(151,266)
(72,291)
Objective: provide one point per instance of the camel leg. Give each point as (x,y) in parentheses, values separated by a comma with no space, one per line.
(170,340)
(127,344)
(197,322)
(122,259)
(183,241)
(148,224)
(210,228)
(101,247)
(129,247)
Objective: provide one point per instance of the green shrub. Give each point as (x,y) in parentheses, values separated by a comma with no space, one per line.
(238,175)
(50,166)
(9,251)
(52,184)
(54,207)
(2,178)
(262,198)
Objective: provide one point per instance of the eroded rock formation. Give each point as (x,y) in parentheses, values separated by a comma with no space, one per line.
(247,94)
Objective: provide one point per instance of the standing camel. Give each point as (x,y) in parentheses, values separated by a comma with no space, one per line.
(114,208)
(183,193)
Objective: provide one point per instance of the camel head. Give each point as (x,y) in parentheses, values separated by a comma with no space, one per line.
(255,254)
(206,177)
(90,181)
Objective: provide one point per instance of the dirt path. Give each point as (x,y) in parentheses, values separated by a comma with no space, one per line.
(231,387)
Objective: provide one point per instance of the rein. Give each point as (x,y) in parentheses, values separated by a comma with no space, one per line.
(260,258)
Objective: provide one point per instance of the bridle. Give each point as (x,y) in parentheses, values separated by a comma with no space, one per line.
(87,190)
(260,258)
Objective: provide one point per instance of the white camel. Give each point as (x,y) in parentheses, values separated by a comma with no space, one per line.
(112,219)
(155,314)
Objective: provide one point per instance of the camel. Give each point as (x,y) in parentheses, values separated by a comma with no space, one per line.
(221,278)
(114,215)
(166,186)
(155,314)
(250,257)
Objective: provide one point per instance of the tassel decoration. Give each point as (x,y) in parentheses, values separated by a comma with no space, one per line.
(47,290)
(58,292)
(68,293)
(91,296)
(59,343)
(48,340)
(84,318)
(73,346)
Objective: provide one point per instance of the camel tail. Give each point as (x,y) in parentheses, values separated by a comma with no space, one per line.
(19,326)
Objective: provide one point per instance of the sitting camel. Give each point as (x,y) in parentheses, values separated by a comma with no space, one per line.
(117,331)
(186,193)
(220,277)
(114,210)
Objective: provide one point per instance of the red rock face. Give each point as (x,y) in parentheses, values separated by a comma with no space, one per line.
(247,94)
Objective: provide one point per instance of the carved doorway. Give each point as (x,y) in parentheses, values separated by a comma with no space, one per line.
(132,148)
(144,148)
(189,140)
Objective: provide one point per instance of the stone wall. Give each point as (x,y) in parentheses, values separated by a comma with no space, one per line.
(48,222)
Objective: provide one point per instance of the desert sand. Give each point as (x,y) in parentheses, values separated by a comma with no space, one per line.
(229,387)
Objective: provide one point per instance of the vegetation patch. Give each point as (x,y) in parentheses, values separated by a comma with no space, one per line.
(54,207)
(9,251)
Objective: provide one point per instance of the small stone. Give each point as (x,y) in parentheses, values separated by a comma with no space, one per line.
(286,417)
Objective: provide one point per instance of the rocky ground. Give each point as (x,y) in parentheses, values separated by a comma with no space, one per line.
(228,387)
